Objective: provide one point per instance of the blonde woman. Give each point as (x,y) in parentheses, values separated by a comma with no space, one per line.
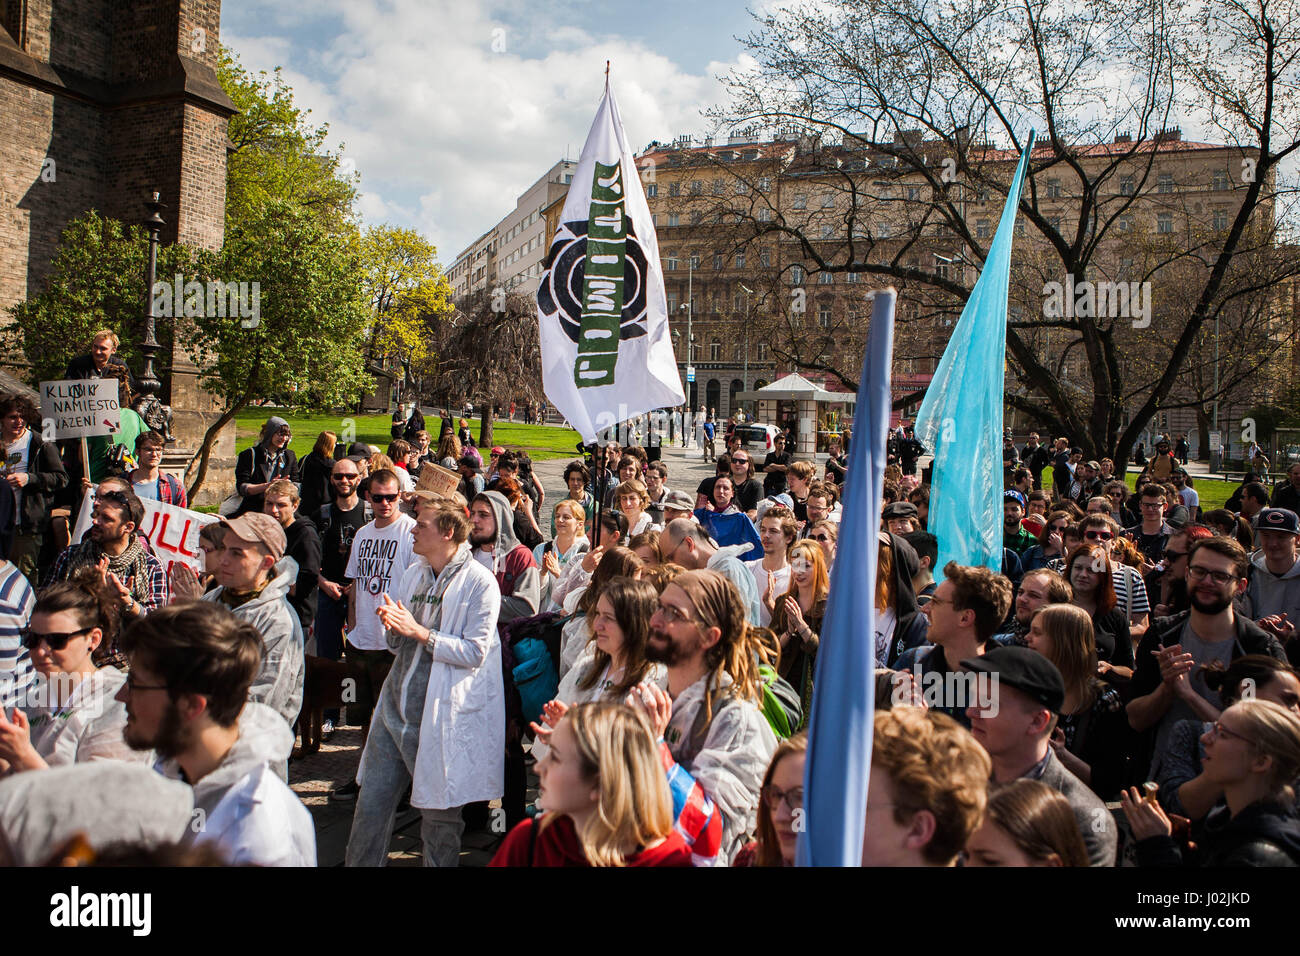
(1252,753)
(797,618)
(604,795)
(554,556)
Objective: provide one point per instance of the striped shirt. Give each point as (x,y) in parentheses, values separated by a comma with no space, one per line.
(1130,591)
(16,602)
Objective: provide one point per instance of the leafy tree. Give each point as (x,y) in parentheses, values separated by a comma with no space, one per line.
(908,114)
(306,340)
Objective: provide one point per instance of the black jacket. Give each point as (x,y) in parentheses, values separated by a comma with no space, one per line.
(315,471)
(1263,834)
(46,477)
(910,624)
(249,470)
(83,366)
(304,547)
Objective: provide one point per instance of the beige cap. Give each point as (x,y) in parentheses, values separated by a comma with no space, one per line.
(257,528)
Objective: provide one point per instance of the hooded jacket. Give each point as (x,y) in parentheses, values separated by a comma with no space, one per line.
(1268,593)
(279,680)
(730,759)
(109,801)
(443,704)
(512,563)
(1263,834)
(727,562)
(910,625)
(243,806)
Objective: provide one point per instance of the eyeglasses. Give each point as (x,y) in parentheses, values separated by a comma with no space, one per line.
(1153,504)
(132,686)
(774,797)
(1172,556)
(673,614)
(1198,573)
(820,537)
(1217,730)
(377,497)
(939,600)
(1098,535)
(55,642)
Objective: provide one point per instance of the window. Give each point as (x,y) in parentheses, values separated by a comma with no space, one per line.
(568,178)
(824,316)
(695,353)
(827,231)
(697,188)
(800,200)
(982,195)
(1220,180)
(740,260)
(1053,189)
(764,183)
(715,351)
(674,189)
(796,275)
(1220,219)
(828,201)
(825,278)
(719,187)
(672,302)
(1165,183)
(913,193)
(670,262)
(884,230)
(981,228)
(1126,185)
(765,258)
(697,217)
(1124,223)
(762,351)
(673,219)
(695,261)
(765,215)
(742,189)
(1165,223)
(851,278)
(717,260)
(941,268)
(738,354)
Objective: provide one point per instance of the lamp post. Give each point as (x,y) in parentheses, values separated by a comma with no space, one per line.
(748,292)
(148,382)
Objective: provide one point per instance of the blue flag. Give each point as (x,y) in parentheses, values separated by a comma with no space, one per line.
(961,417)
(844,687)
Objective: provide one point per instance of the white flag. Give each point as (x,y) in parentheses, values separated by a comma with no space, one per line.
(601,309)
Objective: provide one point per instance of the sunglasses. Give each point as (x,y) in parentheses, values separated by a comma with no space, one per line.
(346,477)
(1098,535)
(820,537)
(377,497)
(55,642)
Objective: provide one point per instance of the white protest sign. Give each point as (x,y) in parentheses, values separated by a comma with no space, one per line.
(173,532)
(81,408)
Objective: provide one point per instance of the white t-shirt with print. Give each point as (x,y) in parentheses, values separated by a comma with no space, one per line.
(376,564)
(18,462)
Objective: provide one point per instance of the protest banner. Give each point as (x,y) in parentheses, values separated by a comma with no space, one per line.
(81,408)
(441,481)
(173,532)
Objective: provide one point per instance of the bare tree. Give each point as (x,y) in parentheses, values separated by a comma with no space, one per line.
(909,115)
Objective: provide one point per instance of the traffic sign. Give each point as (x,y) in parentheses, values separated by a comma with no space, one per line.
(690,373)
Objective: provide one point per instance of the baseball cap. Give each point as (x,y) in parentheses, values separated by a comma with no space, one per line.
(1277,519)
(1014,495)
(1178,517)
(679,501)
(257,528)
(497,450)
(1027,671)
(899,509)
(1095,465)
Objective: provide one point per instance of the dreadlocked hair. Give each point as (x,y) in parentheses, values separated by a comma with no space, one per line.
(735,652)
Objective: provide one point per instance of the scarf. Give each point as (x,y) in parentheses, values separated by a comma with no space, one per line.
(129,566)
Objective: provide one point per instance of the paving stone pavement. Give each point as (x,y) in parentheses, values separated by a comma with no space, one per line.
(314,776)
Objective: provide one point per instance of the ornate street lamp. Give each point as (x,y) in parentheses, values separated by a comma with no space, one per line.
(148,381)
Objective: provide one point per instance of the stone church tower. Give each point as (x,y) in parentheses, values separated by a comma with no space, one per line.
(123,97)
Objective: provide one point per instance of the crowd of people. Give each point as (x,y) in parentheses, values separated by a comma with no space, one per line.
(1124,691)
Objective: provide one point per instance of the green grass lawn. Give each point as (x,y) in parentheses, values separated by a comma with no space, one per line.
(1213,492)
(540,441)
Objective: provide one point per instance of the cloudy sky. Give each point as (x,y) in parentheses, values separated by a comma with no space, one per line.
(451,109)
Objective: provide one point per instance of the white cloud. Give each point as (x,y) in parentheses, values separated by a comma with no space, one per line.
(447,133)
